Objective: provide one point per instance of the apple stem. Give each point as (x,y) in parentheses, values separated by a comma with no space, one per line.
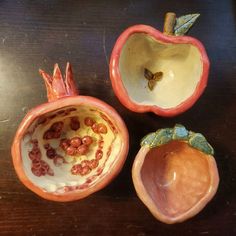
(169,23)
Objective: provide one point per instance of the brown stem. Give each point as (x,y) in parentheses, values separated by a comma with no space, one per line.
(56,86)
(169,23)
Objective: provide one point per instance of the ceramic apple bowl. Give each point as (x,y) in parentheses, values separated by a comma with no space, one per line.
(159,72)
(70,147)
(175,174)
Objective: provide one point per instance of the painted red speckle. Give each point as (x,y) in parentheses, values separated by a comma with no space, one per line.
(85,163)
(95,128)
(36,171)
(88,121)
(100,144)
(54,131)
(46,146)
(57,126)
(71,151)
(60,112)
(76,142)
(58,160)
(88,140)
(82,150)
(85,170)
(109,151)
(99,171)
(74,124)
(102,129)
(51,153)
(98,154)
(41,120)
(35,154)
(64,143)
(93,164)
(50,172)
(39,168)
(76,169)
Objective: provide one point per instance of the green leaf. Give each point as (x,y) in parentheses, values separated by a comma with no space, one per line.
(146,140)
(158,138)
(180,132)
(199,142)
(184,23)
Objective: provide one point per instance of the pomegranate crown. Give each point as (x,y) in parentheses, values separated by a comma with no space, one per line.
(57,86)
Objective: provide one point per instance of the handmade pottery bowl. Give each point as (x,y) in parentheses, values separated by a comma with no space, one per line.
(175,174)
(157,72)
(70,147)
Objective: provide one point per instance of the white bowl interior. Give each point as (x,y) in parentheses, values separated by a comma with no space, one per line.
(59,178)
(181,65)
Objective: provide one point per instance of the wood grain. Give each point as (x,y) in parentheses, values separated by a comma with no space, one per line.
(37,34)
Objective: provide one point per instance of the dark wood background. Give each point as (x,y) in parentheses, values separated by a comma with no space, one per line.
(36,34)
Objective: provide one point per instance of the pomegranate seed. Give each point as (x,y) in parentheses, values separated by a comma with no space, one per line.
(58,160)
(85,163)
(36,171)
(57,134)
(102,128)
(44,165)
(43,171)
(57,126)
(99,154)
(71,109)
(93,164)
(35,154)
(46,146)
(48,134)
(41,120)
(95,128)
(60,112)
(109,151)
(87,140)
(82,149)
(74,125)
(76,169)
(75,142)
(52,116)
(71,151)
(51,153)
(100,144)
(50,172)
(89,121)
(85,170)
(64,143)
(35,142)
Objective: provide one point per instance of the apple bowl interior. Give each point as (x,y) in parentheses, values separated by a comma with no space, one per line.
(71,148)
(180,63)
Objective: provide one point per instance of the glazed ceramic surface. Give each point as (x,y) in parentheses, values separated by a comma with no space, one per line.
(180,63)
(182,60)
(71,146)
(174,180)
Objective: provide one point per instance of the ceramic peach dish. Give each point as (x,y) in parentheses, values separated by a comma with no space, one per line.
(175,174)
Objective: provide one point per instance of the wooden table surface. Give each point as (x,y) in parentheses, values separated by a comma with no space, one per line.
(36,35)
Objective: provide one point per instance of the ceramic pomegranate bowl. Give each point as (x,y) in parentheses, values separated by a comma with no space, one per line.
(164,73)
(70,147)
(175,174)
